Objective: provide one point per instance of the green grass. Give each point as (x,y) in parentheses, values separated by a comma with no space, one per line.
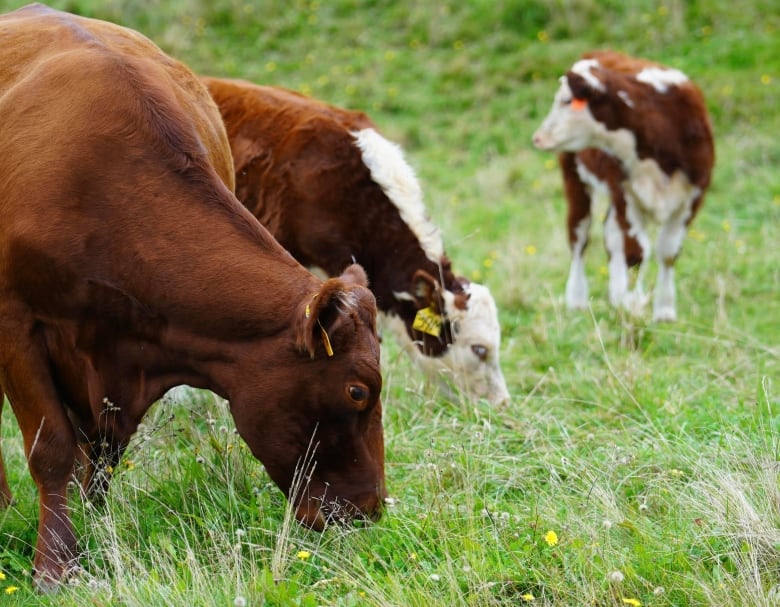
(652,451)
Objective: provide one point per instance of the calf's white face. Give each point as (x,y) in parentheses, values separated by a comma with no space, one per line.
(471,365)
(569,127)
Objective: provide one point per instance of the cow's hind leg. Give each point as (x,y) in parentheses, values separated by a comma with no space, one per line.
(5,491)
(668,244)
(628,246)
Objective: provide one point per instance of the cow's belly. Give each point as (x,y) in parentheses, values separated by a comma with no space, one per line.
(658,196)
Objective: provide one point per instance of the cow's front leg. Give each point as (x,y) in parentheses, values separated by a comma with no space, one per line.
(578,223)
(49,443)
(50,447)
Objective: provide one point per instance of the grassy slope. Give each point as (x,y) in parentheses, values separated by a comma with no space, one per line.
(650,450)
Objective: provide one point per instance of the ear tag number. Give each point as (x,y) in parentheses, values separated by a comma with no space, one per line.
(427,320)
(578,105)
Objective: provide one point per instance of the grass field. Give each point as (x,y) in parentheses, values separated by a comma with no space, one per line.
(637,464)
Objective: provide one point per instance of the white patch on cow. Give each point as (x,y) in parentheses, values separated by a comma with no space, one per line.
(475,327)
(577,283)
(403,296)
(625,98)
(659,195)
(661,78)
(583,68)
(385,160)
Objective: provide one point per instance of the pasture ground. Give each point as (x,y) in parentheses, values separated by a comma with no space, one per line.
(637,464)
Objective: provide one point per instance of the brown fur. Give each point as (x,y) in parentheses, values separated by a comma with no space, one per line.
(128,267)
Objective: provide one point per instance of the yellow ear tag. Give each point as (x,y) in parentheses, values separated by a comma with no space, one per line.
(427,320)
(326,340)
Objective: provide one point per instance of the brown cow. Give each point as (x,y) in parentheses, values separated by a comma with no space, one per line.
(640,133)
(332,190)
(128,267)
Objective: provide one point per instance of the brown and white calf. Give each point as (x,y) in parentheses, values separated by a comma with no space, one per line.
(638,132)
(334,191)
(115,173)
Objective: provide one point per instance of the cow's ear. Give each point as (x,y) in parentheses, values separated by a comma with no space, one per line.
(355,275)
(425,290)
(323,314)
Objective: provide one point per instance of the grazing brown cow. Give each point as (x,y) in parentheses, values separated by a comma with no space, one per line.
(332,190)
(128,267)
(640,133)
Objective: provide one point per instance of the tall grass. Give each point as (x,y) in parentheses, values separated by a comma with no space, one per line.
(650,451)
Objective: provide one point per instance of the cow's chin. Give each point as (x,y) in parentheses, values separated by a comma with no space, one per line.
(310,515)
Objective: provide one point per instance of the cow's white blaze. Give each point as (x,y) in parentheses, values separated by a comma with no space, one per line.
(385,160)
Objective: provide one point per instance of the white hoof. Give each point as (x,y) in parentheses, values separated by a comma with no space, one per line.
(664,314)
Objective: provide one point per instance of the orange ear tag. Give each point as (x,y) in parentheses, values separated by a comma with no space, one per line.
(427,320)
(578,104)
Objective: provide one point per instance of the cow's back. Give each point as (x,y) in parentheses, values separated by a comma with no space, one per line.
(296,164)
(37,40)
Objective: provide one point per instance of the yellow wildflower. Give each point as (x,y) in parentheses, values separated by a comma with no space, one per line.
(633,602)
(527,597)
(551,538)
(542,36)
(303,554)
(530,249)
(2,576)
(11,589)
(766,79)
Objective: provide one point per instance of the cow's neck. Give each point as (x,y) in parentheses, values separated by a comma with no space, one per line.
(188,327)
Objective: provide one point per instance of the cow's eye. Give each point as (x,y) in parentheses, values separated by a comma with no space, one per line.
(480,351)
(357,394)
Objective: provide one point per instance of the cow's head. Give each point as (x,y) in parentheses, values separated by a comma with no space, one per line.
(457,336)
(570,126)
(314,416)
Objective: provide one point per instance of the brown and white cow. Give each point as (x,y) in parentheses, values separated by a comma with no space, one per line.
(333,191)
(127,267)
(638,132)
